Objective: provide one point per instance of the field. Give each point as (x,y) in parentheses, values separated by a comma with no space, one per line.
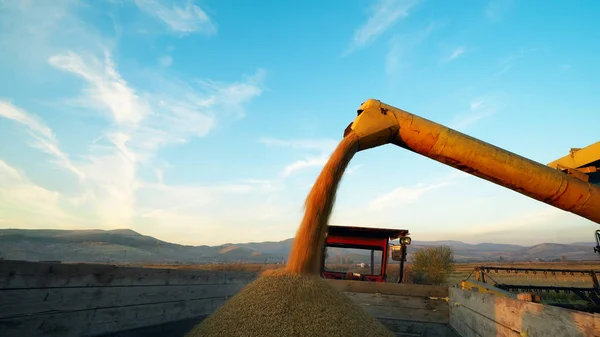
(463,271)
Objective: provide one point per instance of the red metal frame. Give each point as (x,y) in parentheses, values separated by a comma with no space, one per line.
(361,237)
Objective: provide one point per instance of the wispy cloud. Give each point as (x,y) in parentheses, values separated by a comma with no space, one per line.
(318,161)
(182,17)
(496,9)
(24,204)
(404,194)
(320,152)
(124,183)
(33,30)
(326,145)
(383,15)
(231,97)
(386,207)
(507,62)
(456,53)
(139,125)
(401,47)
(105,90)
(142,124)
(166,61)
(43,137)
(353,169)
(479,108)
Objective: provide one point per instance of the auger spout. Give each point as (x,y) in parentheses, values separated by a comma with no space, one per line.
(378,124)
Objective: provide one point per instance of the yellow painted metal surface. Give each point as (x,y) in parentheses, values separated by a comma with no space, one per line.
(485,289)
(471,155)
(578,158)
(374,126)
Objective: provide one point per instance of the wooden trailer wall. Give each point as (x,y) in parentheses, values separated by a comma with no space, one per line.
(53,299)
(406,309)
(475,314)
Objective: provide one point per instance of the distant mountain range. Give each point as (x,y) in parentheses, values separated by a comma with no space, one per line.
(127,246)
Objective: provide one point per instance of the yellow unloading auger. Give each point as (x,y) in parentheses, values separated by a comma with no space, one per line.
(569,184)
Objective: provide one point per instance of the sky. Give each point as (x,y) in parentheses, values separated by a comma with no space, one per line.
(206,122)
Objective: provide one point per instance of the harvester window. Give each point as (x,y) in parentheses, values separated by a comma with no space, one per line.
(361,260)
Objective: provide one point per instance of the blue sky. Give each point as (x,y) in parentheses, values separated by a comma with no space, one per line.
(207,122)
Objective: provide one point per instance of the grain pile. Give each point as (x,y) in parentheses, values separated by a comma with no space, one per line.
(296,301)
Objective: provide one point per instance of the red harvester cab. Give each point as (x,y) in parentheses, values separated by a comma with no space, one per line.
(361,253)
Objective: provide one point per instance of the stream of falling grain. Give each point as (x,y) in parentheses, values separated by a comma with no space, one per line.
(305,256)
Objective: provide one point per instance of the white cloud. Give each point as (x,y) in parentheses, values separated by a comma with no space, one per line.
(406,202)
(140,120)
(140,125)
(496,9)
(508,62)
(402,47)
(478,109)
(34,30)
(383,15)
(170,113)
(323,148)
(232,96)
(403,194)
(106,89)
(475,105)
(298,165)
(183,17)
(325,145)
(24,204)
(353,168)
(166,61)
(44,138)
(456,53)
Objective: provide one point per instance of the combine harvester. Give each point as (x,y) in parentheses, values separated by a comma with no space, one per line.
(570,183)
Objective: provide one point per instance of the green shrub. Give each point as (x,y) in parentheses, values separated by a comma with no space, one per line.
(432,265)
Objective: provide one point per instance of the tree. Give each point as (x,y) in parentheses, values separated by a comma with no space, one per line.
(432,265)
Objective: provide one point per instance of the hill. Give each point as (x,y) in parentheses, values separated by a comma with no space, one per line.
(127,246)
(115,246)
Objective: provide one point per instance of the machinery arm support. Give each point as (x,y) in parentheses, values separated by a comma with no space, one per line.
(378,124)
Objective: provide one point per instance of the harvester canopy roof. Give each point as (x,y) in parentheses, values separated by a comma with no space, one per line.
(365,232)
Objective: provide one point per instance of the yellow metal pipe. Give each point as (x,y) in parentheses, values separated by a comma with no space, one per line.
(378,124)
